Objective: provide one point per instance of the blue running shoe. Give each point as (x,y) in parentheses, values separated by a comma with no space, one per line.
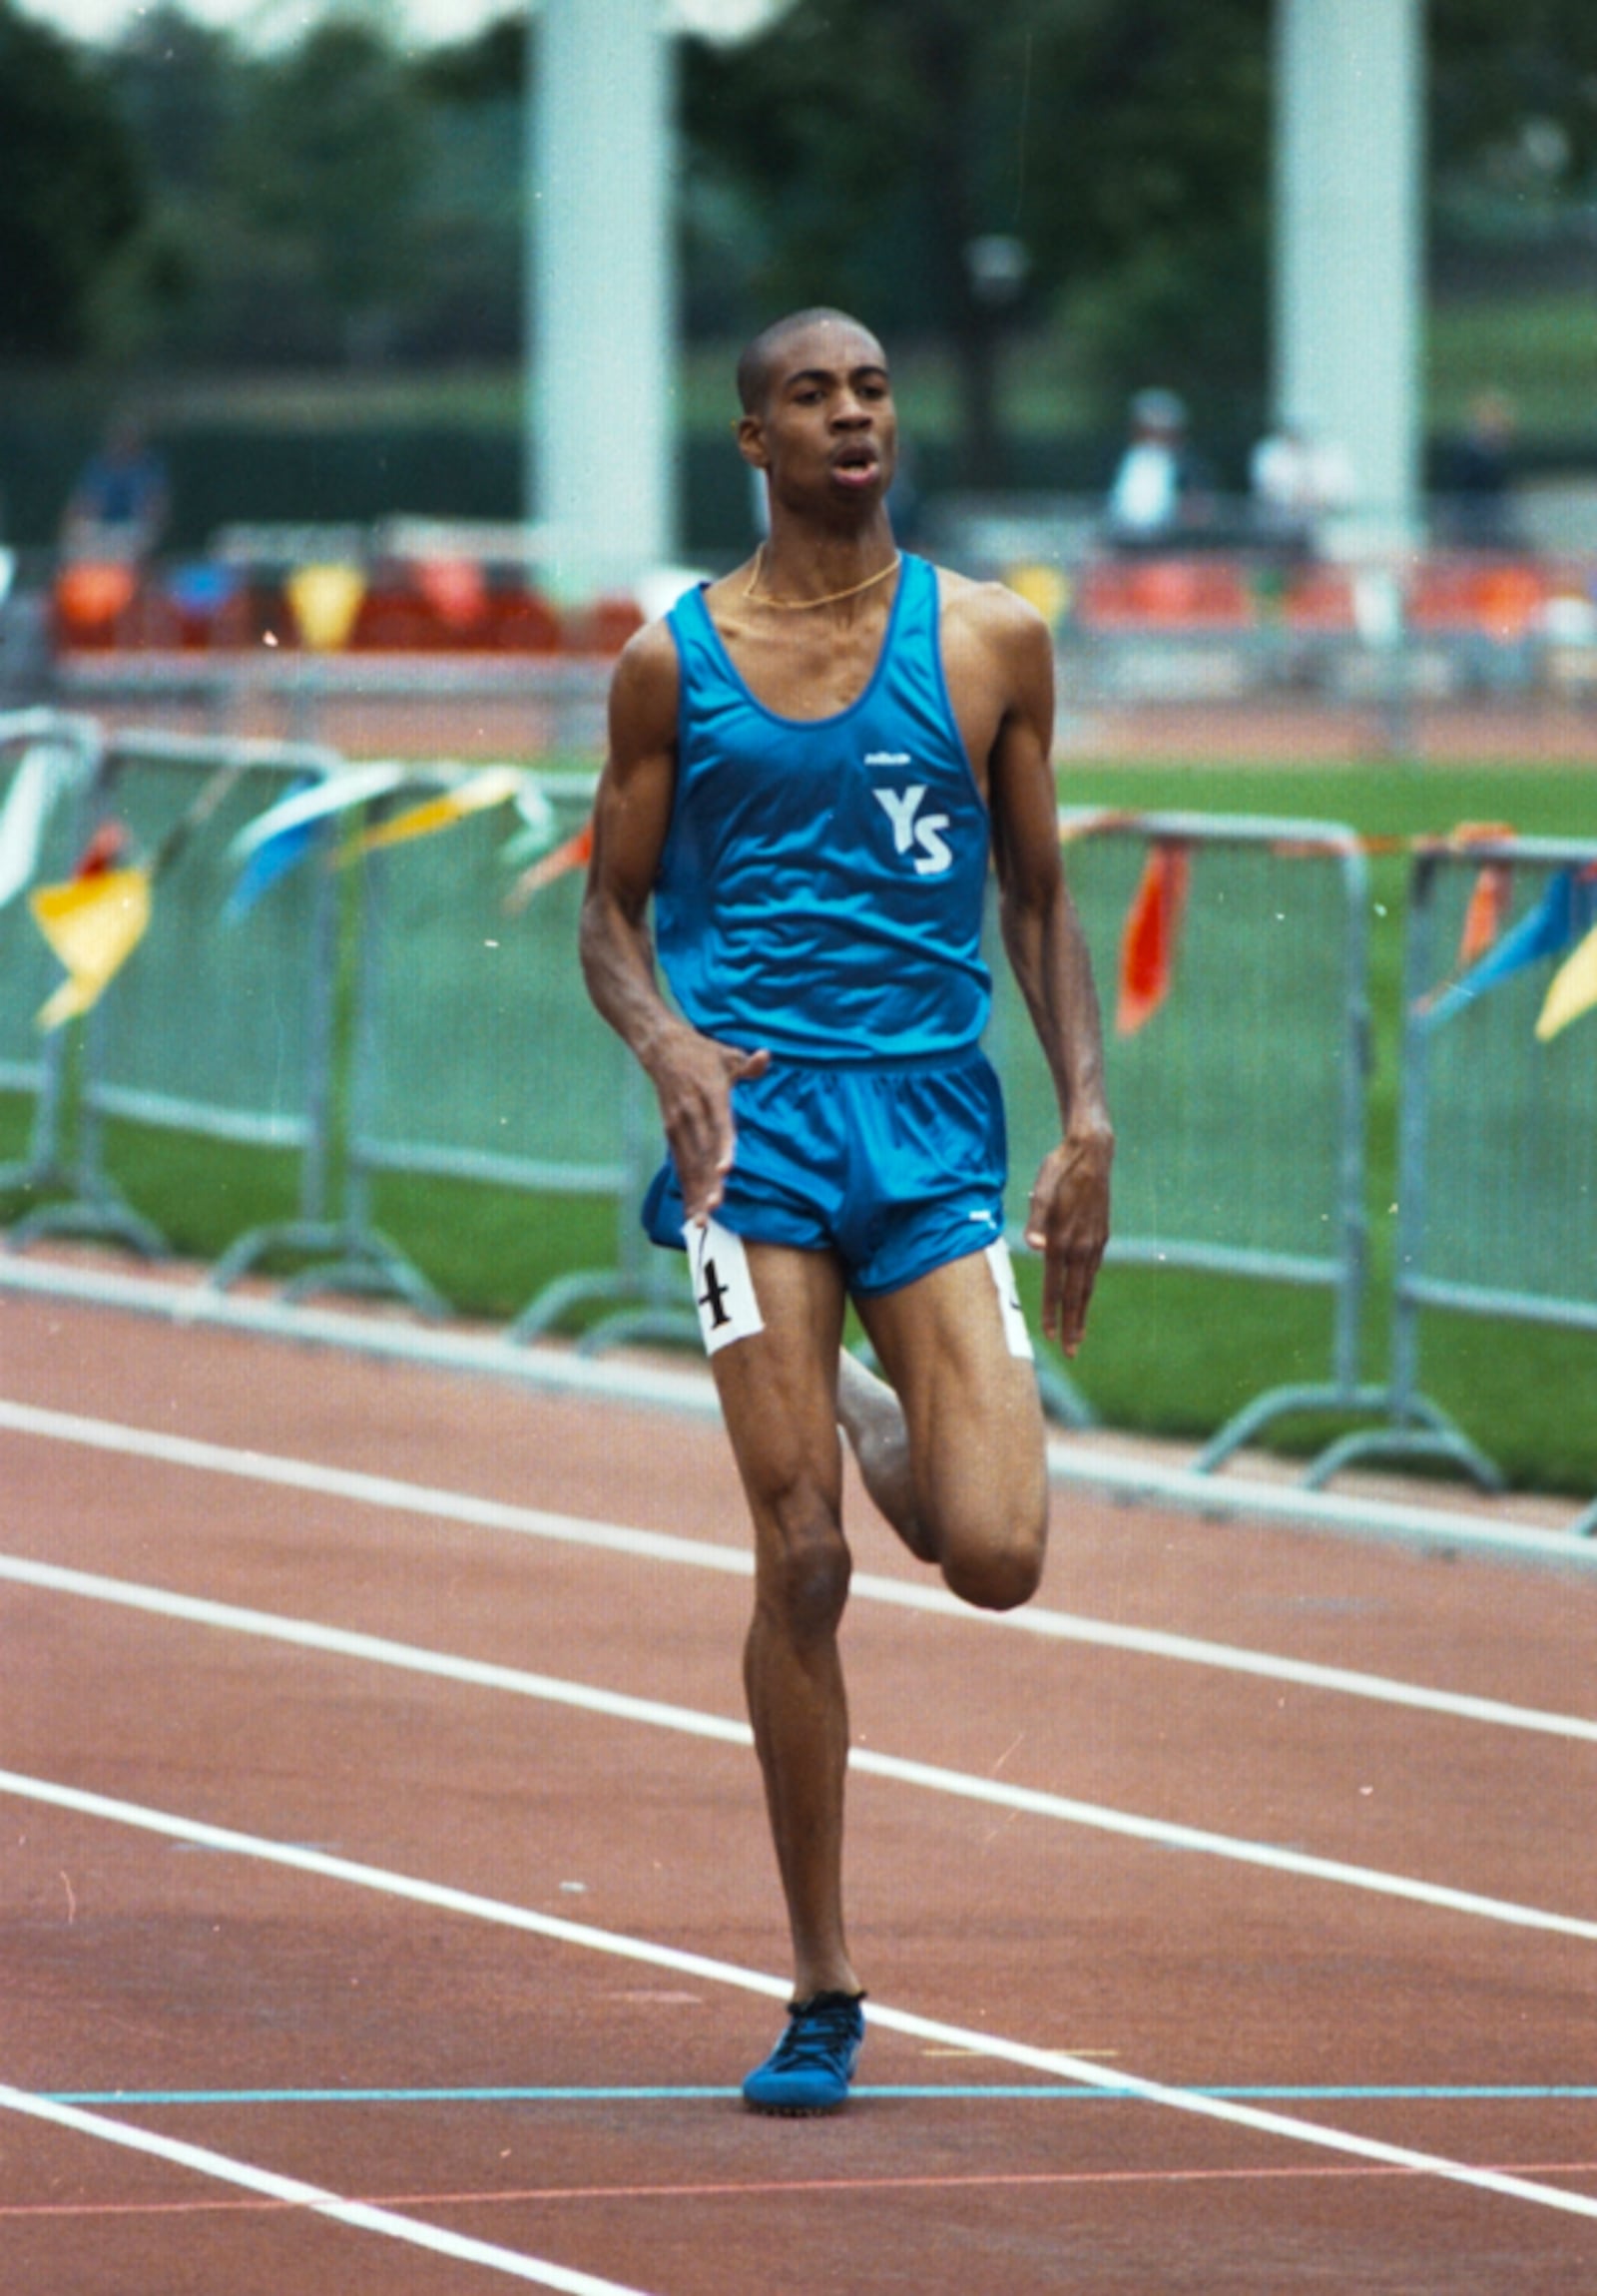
(812,2066)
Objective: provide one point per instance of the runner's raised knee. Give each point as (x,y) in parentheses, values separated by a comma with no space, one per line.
(994,1574)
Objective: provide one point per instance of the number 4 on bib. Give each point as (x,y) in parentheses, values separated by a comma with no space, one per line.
(723,1288)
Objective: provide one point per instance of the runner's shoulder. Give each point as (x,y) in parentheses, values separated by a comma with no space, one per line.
(990,615)
(644,685)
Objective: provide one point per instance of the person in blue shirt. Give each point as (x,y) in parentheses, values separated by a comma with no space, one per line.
(121,501)
(811,761)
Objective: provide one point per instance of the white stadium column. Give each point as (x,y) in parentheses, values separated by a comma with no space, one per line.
(601,372)
(1349,265)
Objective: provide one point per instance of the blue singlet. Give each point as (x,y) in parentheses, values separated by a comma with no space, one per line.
(821,886)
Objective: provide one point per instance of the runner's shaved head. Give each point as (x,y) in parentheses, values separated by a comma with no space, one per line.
(758,366)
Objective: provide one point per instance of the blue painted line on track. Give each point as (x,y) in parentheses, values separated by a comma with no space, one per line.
(932,2092)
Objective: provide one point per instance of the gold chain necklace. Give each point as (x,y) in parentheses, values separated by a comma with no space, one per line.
(808,605)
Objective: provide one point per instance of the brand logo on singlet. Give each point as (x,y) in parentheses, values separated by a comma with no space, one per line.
(914,832)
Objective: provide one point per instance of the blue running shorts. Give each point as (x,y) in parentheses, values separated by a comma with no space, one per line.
(898,1170)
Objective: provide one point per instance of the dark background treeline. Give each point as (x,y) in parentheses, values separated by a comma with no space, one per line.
(305,263)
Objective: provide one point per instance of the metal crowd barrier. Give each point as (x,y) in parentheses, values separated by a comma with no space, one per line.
(401,1018)
(1240,1103)
(363,704)
(49,764)
(1497,1143)
(479,1057)
(218,1027)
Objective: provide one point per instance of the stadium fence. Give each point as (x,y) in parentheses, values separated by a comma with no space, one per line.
(406,1018)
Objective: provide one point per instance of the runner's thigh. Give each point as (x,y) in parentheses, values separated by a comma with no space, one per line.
(970,1404)
(778,1387)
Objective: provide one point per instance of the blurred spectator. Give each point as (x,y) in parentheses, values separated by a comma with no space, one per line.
(1160,489)
(1478,479)
(1296,482)
(120,504)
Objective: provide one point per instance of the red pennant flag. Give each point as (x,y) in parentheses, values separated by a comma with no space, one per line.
(104,850)
(576,853)
(1148,944)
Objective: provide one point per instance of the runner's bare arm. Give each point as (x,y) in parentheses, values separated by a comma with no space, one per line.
(692,1075)
(1068,1217)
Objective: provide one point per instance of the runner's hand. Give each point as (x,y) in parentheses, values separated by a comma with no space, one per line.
(693,1078)
(1068,1222)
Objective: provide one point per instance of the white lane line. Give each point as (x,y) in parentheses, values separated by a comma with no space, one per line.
(362,2215)
(615,1705)
(1056,2064)
(556,1371)
(662,1546)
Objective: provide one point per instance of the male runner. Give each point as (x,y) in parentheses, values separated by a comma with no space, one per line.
(810,762)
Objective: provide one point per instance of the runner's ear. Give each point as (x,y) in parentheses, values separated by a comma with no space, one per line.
(752,441)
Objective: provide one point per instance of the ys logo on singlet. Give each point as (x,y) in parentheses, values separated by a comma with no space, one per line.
(912,830)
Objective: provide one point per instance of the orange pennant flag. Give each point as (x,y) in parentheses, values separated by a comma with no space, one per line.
(576,853)
(1491,894)
(1148,944)
(1483,919)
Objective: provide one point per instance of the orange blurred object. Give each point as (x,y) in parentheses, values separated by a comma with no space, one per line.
(92,599)
(1166,593)
(456,589)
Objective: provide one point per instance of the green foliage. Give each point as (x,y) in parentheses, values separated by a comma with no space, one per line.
(1125,146)
(73,189)
(324,167)
(1497,71)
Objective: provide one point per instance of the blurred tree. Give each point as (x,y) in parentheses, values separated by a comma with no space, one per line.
(180,84)
(491,65)
(470,237)
(325,160)
(952,166)
(73,189)
(1500,73)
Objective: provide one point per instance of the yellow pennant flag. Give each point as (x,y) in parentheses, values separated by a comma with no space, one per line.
(325,601)
(495,787)
(94,923)
(1573,990)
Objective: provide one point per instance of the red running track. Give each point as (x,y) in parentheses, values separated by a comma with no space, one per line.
(371,1831)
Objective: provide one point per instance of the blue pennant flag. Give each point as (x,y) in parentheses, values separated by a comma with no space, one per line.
(1565,914)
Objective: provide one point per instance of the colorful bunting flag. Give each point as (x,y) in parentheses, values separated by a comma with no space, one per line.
(1566,912)
(576,853)
(46,772)
(93,924)
(97,919)
(493,787)
(538,829)
(315,801)
(1573,991)
(1490,901)
(273,858)
(108,841)
(1153,928)
(1490,896)
(268,866)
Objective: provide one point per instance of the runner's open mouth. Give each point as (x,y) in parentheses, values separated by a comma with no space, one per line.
(855,461)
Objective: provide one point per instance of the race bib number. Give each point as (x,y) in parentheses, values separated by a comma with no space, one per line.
(723,1288)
